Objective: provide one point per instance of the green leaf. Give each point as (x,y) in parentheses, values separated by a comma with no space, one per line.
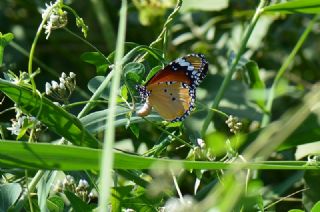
(84,28)
(141,202)
(77,203)
(43,188)
(255,83)
(307,132)
(117,196)
(316,207)
(133,67)
(55,118)
(5,39)
(204,5)
(94,84)
(124,92)
(9,193)
(135,130)
(312,195)
(216,143)
(153,71)
(55,204)
(94,122)
(62,157)
(95,58)
(296,210)
(296,6)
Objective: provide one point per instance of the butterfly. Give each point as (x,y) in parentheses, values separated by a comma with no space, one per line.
(172,91)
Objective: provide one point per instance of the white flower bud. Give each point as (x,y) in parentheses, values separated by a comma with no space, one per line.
(55,85)
(72,75)
(62,87)
(62,80)
(83,184)
(48,88)
(63,75)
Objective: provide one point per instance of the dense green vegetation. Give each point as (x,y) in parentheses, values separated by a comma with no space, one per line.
(70,135)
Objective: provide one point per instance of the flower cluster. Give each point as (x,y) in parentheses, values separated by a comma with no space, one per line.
(175,204)
(54,17)
(22,124)
(201,152)
(81,190)
(234,124)
(61,91)
(313,160)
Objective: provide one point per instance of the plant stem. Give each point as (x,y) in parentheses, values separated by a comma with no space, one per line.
(166,24)
(33,46)
(228,77)
(109,133)
(88,43)
(282,70)
(96,95)
(105,24)
(1,54)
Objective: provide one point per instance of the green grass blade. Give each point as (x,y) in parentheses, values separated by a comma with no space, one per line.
(62,157)
(55,118)
(297,6)
(109,134)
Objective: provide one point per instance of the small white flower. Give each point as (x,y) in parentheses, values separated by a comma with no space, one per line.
(93,194)
(83,184)
(179,205)
(54,18)
(72,75)
(15,128)
(63,75)
(62,87)
(48,88)
(57,104)
(55,85)
(201,143)
(62,80)
(69,180)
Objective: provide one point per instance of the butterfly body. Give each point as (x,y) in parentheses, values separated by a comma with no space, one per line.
(172,91)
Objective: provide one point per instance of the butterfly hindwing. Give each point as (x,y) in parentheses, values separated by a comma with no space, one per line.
(172,100)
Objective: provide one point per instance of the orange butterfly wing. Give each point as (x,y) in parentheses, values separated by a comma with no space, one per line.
(172,100)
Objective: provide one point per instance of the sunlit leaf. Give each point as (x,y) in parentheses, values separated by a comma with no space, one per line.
(295,6)
(204,5)
(63,157)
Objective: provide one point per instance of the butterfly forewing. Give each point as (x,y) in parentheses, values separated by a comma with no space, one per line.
(167,75)
(172,100)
